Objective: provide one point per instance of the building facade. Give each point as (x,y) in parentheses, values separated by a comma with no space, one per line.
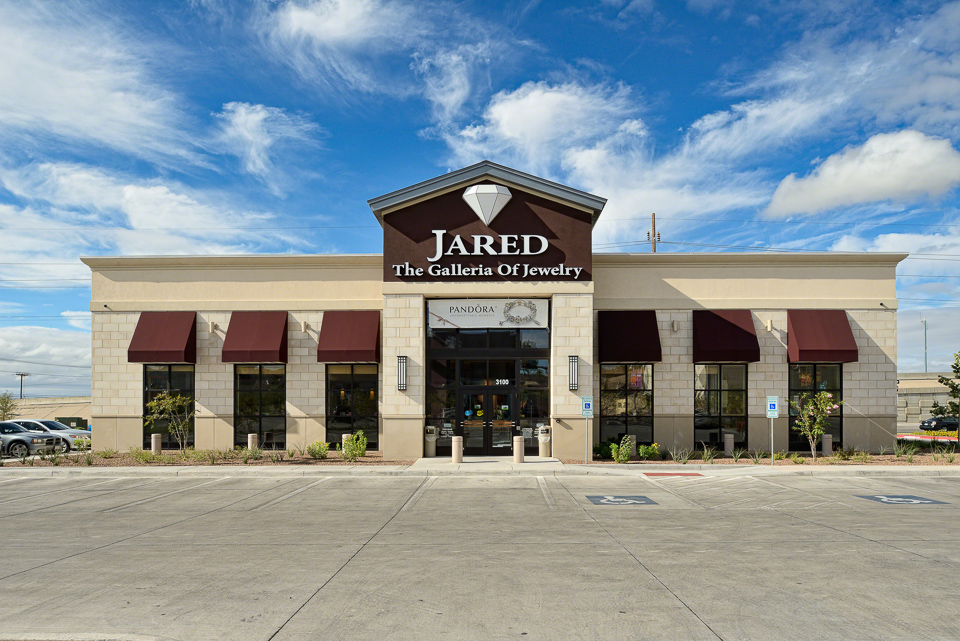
(489,316)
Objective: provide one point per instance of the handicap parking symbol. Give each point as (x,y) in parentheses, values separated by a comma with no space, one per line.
(900,499)
(620,500)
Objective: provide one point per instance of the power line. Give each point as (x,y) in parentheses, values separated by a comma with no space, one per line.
(176,229)
(7,371)
(789,222)
(14,360)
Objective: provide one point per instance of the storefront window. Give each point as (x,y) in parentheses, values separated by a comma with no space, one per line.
(352,403)
(626,403)
(260,399)
(810,379)
(720,404)
(176,379)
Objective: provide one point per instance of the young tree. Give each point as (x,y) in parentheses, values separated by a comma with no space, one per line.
(178,413)
(812,413)
(952,408)
(8,406)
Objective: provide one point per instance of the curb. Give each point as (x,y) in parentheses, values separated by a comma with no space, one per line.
(235,471)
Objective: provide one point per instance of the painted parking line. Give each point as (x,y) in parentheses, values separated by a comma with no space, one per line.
(900,499)
(621,500)
(672,474)
(164,495)
(290,495)
(547,496)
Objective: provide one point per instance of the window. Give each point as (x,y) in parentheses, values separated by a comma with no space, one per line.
(626,403)
(811,378)
(176,379)
(260,405)
(720,404)
(352,403)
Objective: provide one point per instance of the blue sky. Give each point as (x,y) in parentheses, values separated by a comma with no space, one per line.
(206,126)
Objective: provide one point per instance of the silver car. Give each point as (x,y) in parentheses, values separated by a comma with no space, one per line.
(68,434)
(18,441)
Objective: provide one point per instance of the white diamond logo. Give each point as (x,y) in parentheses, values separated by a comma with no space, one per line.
(487,200)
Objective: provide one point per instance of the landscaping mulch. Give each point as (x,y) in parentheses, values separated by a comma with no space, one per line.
(174,458)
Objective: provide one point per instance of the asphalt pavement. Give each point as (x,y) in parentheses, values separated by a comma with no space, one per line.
(664,553)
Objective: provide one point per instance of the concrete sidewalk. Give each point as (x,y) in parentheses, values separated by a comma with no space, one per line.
(533,466)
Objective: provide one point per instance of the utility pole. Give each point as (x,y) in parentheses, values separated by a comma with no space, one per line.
(652,235)
(924,321)
(22,375)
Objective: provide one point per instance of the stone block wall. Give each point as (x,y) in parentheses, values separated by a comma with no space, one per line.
(571,334)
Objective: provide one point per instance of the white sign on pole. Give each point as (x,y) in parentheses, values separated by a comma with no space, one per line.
(587,406)
(773,407)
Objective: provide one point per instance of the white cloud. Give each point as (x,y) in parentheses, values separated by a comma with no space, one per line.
(942,341)
(343,41)
(84,210)
(254,133)
(537,123)
(69,75)
(80,320)
(45,348)
(903,165)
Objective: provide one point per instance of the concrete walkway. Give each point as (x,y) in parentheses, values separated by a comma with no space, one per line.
(533,466)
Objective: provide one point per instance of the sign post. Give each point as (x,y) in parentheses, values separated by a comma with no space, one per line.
(773,411)
(587,412)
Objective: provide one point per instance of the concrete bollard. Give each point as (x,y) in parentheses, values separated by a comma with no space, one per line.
(518,449)
(544,439)
(826,443)
(456,447)
(251,441)
(344,440)
(156,443)
(728,444)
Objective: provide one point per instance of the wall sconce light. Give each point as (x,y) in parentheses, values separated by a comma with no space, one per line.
(304,326)
(213,327)
(676,326)
(402,373)
(769,325)
(574,373)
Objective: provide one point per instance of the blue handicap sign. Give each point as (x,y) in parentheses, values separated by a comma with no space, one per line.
(620,500)
(900,499)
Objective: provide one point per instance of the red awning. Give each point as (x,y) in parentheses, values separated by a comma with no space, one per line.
(628,336)
(724,336)
(349,337)
(820,336)
(256,337)
(164,337)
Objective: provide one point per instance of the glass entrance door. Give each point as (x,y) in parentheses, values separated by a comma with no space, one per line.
(488,422)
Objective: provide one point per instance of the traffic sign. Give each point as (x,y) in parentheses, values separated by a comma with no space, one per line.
(587,406)
(773,407)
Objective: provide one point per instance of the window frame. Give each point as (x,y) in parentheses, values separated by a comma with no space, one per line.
(331,415)
(715,421)
(167,440)
(631,424)
(796,441)
(240,437)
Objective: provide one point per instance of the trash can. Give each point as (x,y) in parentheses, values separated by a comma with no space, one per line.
(430,446)
(543,435)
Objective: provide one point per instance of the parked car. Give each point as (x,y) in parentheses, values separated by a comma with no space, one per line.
(948,423)
(18,441)
(56,428)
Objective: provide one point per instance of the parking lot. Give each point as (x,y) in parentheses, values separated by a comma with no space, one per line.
(711,556)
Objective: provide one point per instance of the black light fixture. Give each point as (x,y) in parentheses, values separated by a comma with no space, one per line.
(402,373)
(574,373)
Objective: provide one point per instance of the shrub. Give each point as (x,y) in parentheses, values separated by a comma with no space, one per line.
(779,456)
(758,456)
(738,454)
(648,452)
(602,451)
(354,447)
(108,453)
(680,455)
(622,453)
(796,459)
(708,453)
(82,444)
(318,450)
